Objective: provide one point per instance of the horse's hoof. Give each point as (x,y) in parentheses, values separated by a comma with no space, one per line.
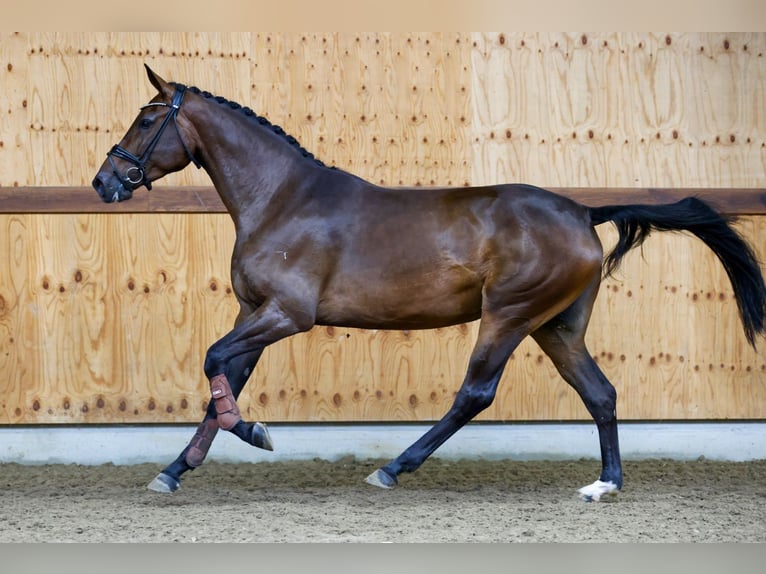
(260,437)
(594,492)
(164,483)
(381,479)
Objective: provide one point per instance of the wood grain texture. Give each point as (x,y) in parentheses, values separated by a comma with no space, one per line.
(14,103)
(106,311)
(625,110)
(107,318)
(103,335)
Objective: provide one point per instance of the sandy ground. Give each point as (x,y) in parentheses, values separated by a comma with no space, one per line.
(444,501)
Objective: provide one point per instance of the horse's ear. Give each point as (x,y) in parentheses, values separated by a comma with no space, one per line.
(162,86)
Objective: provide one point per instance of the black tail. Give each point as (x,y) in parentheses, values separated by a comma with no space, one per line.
(636,222)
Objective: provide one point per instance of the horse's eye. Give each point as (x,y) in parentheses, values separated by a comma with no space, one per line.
(146,123)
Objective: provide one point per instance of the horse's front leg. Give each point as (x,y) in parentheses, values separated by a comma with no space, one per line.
(228,365)
(169,480)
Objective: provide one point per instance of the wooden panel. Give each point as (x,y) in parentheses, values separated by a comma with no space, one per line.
(105,316)
(94,334)
(625,110)
(392,108)
(19,349)
(14,103)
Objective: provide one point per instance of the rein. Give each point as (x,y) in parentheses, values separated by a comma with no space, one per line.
(135,176)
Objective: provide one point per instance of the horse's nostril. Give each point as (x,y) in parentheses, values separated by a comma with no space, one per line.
(98,185)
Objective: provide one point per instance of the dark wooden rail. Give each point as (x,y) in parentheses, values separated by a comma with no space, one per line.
(731,201)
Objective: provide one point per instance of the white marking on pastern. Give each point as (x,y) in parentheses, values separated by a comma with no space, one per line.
(594,492)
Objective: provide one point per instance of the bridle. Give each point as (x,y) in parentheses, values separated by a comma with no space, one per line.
(135,176)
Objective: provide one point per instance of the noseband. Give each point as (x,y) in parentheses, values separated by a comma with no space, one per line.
(135,176)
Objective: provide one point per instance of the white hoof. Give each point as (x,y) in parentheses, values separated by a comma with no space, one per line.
(594,492)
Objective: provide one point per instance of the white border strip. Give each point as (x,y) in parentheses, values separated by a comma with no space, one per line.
(121,445)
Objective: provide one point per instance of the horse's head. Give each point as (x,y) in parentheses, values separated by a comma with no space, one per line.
(158,142)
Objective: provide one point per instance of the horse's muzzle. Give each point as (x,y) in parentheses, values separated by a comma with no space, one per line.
(111,193)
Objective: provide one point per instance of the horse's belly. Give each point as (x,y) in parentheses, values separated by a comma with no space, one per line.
(422,303)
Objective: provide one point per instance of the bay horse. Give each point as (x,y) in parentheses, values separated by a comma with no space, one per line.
(316,245)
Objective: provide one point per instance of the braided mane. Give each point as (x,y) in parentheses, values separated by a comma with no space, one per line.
(260,119)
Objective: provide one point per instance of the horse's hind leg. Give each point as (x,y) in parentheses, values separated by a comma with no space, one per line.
(562,339)
(496,341)
(238,372)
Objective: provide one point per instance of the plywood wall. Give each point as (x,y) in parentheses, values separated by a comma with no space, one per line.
(106,318)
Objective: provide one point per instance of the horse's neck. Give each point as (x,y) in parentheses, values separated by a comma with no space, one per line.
(244,162)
